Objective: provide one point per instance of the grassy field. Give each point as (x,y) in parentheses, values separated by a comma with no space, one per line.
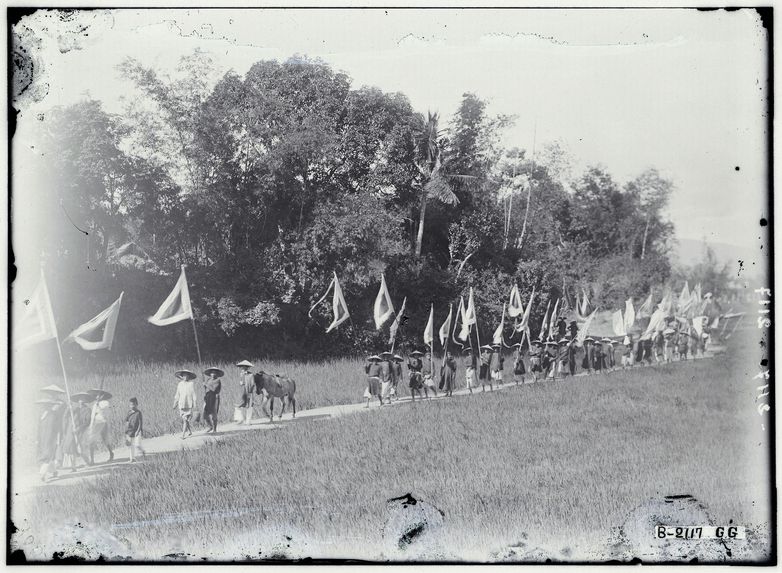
(557,466)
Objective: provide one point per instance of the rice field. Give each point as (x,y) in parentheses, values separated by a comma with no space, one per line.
(553,467)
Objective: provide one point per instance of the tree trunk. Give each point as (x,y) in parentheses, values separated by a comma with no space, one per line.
(526,213)
(646,233)
(420,238)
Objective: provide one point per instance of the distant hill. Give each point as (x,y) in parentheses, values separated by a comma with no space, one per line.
(690,252)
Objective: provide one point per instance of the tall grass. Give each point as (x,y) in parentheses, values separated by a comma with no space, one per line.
(557,464)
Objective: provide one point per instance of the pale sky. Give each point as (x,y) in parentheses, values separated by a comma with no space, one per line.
(680,90)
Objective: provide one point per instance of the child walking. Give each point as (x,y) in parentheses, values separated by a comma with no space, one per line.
(134,429)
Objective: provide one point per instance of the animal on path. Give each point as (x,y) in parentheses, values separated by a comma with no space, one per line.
(275,386)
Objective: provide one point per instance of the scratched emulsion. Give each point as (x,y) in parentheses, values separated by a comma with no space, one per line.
(44,35)
(634,539)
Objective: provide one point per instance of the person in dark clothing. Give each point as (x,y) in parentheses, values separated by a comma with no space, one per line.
(396,375)
(415,365)
(134,429)
(571,356)
(49,435)
(573,328)
(589,354)
(448,374)
(561,328)
(212,389)
(485,370)
(519,369)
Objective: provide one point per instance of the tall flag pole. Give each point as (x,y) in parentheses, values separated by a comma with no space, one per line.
(37,325)
(396,324)
(445,331)
(384,308)
(106,320)
(339,306)
(543,328)
(497,338)
(459,316)
(176,308)
(429,338)
(629,314)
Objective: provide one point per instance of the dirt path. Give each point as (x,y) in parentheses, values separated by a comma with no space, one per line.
(26,480)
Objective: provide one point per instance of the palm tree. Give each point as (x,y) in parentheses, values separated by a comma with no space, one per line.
(432,180)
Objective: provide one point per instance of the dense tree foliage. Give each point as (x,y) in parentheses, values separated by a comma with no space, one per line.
(264,185)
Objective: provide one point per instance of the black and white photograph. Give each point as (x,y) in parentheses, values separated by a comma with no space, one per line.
(390,285)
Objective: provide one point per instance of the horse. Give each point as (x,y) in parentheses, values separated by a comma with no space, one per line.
(275,386)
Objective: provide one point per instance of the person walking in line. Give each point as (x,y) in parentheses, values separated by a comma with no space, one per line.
(415,366)
(386,376)
(134,430)
(611,354)
(550,359)
(497,363)
(563,347)
(589,358)
(212,389)
(428,375)
(449,373)
(74,442)
(519,370)
(605,351)
(571,356)
(484,373)
(469,368)
(244,409)
(372,370)
(99,423)
(185,399)
(49,436)
(536,359)
(396,375)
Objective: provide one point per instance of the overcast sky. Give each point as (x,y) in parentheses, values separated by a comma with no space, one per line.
(680,90)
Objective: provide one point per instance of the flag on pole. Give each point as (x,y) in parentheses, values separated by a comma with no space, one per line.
(384,308)
(524,324)
(461,313)
(629,314)
(515,306)
(656,322)
(397,322)
(37,322)
(176,307)
(685,300)
(582,334)
(498,333)
(105,321)
(429,330)
(698,323)
(582,307)
(341,313)
(645,310)
(543,326)
(468,318)
(446,327)
(552,321)
(666,304)
(619,323)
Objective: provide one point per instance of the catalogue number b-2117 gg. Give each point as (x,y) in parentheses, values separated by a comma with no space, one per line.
(700,532)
